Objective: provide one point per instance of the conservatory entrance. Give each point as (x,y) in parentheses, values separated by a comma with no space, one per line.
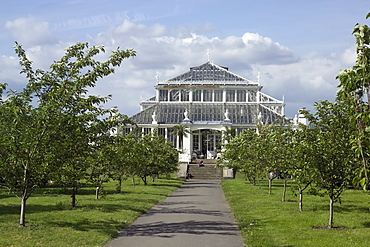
(206,143)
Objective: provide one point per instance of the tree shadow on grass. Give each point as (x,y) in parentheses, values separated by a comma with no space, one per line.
(109,227)
(111,208)
(5,196)
(31,208)
(9,209)
(14,209)
(366,224)
(343,208)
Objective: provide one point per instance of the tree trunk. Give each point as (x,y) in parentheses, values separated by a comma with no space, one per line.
(180,141)
(301,195)
(97,193)
(119,186)
(73,196)
(22,220)
(331,212)
(300,204)
(284,190)
(270,186)
(144,180)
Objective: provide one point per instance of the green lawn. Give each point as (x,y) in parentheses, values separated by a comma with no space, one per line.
(52,222)
(265,220)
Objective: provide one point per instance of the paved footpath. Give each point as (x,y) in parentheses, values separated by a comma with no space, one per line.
(194,215)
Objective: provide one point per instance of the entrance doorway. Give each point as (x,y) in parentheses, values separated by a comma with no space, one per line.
(207,143)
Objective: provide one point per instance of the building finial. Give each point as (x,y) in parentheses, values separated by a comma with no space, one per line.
(208,54)
(258,77)
(157,76)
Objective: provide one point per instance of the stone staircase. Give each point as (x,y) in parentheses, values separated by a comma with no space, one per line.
(208,171)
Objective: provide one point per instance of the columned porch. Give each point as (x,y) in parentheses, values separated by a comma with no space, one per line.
(204,142)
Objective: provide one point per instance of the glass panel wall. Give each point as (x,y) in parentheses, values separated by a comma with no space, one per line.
(230,95)
(207,95)
(241,96)
(174,95)
(196,143)
(126,130)
(252,96)
(197,95)
(162,132)
(163,95)
(146,130)
(184,95)
(218,95)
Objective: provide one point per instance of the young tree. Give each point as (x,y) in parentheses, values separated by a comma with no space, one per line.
(129,157)
(27,158)
(47,129)
(105,157)
(279,137)
(301,170)
(355,91)
(333,162)
(240,154)
(70,78)
(159,157)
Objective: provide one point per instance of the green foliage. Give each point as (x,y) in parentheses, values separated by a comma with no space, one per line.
(318,158)
(181,131)
(254,154)
(228,134)
(47,130)
(333,163)
(354,91)
(242,154)
(157,156)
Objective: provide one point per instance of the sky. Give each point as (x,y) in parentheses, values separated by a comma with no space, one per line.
(297,47)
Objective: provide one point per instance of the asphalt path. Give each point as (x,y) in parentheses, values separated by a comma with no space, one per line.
(194,215)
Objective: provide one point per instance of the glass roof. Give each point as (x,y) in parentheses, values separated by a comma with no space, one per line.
(208,73)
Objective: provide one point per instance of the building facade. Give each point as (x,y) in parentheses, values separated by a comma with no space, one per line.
(208,99)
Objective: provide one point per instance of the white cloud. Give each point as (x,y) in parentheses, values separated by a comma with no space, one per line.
(310,79)
(30,31)
(10,72)
(303,80)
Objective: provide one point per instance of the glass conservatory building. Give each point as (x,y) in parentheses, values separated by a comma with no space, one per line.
(208,99)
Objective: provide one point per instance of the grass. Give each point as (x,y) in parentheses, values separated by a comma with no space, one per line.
(265,220)
(52,222)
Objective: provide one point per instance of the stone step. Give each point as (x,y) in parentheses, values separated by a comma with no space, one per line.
(205,172)
(205,161)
